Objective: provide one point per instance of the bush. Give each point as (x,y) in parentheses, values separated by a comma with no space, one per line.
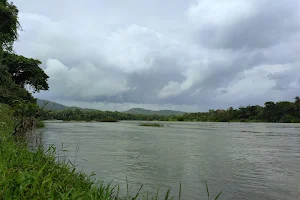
(242,120)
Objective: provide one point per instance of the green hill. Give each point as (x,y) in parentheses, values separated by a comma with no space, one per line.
(50,105)
(152,112)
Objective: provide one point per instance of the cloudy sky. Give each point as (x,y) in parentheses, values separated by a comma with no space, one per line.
(173,54)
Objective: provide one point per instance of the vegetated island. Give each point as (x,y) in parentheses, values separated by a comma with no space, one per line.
(151,124)
(107,119)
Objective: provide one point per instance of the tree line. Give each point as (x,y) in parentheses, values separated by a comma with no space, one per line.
(283,112)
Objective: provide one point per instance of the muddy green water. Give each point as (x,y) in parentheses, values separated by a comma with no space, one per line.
(244,160)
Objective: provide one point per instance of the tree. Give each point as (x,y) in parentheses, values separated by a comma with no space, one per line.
(25,71)
(297,100)
(9,25)
(297,106)
(270,112)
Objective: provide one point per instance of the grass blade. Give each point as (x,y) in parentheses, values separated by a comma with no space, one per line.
(207,190)
(138,193)
(167,194)
(156,197)
(179,192)
(218,195)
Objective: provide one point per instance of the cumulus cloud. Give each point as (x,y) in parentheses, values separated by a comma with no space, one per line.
(84,82)
(188,55)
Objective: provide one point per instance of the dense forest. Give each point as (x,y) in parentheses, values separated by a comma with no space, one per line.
(283,112)
(97,115)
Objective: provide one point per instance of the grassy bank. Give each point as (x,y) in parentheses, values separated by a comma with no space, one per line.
(37,175)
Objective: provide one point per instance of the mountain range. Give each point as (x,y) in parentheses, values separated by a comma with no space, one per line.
(50,105)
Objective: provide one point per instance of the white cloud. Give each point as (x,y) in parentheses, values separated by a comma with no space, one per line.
(219,13)
(133,48)
(84,81)
(205,55)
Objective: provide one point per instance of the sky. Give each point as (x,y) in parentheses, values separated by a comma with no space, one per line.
(191,55)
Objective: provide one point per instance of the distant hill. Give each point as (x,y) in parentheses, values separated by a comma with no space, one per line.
(50,105)
(152,112)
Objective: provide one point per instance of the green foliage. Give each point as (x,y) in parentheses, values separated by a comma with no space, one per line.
(38,175)
(5,117)
(25,71)
(107,119)
(283,112)
(94,115)
(180,118)
(26,116)
(9,25)
(208,194)
(9,91)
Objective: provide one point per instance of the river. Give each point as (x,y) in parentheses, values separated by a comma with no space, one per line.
(243,160)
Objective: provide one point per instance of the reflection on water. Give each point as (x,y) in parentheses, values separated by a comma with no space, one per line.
(245,161)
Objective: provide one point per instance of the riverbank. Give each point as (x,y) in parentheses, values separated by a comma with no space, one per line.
(38,175)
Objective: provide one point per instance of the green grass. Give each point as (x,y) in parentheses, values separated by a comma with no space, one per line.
(40,124)
(38,175)
(152,124)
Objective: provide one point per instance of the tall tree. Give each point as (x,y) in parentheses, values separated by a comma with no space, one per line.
(9,25)
(9,90)
(25,71)
(297,100)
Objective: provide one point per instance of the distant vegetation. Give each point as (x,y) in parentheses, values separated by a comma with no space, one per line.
(93,115)
(152,124)
(107,119)
(283,112)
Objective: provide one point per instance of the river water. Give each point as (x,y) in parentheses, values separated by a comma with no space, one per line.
(243,160)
